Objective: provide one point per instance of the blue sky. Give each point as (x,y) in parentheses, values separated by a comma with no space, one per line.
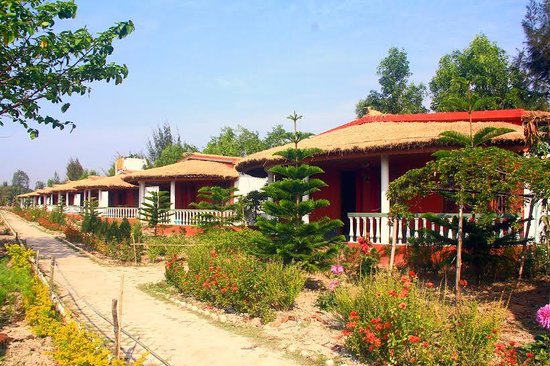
(202,65)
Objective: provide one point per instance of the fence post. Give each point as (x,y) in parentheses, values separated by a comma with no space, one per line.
(36,259)
(114,310)
(52,269)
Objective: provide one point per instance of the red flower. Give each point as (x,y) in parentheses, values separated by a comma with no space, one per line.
(351,325)
(530,354)
(213,253)
(463,283)
(414,339)
(371,338)
(429,284)
(402,305)
(375,320)
(379,326)
(346,332)
(353,315)
(412,274)
(392,293)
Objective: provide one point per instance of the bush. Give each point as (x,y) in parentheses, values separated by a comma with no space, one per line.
(73,235)
(229,278)
(392,320)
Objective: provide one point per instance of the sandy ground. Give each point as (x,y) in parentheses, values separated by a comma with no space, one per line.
(178,336)
(25,349)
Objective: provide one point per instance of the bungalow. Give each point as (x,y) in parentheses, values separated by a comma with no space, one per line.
(362,157)
(184,178)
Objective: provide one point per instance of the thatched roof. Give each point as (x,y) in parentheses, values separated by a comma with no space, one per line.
(28,194)
(391,133)
(113,182)
(192,167)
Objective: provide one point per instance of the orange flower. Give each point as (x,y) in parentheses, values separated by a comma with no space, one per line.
(392,293)
(414,339)
(402,305)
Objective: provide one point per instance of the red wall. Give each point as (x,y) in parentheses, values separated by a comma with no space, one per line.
(186,192)
(331,193)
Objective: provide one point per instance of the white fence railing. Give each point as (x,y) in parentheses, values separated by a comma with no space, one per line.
(378,229)
(189,217)
(119,212)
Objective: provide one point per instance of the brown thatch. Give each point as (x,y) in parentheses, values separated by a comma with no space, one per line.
(192,167)
(114,182)
(28,194)
(380,137)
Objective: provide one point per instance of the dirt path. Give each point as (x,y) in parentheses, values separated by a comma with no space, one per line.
(178,336)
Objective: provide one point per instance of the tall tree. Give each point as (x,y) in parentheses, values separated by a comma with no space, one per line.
(20,182)
(536,25)
(276,137)
(397,94)
(74,169)
(287,236)
(480,77)
(173,153)
(39,185)
(235,142)
(54,180)
(163,136)
(40,63)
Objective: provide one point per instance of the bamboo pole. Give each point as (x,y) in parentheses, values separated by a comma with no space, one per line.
(116,328)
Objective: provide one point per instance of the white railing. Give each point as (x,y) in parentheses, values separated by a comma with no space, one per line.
(119,212)
(378,229)
(190,217)
(71,209)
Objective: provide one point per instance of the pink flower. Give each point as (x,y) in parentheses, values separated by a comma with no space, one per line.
(333,284)
(543,316)
(337,269)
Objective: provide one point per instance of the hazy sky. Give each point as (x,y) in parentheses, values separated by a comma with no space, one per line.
(202,65)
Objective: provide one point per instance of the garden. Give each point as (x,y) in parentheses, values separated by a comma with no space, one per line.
(478,298)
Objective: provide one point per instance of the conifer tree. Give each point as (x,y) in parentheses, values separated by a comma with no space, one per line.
(287,236)
(218,199)
(155,209)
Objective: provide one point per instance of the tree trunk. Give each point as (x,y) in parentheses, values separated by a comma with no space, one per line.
(393,243)
(525,238)
(459,251)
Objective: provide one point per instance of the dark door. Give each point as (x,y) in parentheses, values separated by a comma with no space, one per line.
(348,195)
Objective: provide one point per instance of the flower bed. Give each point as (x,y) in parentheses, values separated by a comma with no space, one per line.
(228,278)
(395,320)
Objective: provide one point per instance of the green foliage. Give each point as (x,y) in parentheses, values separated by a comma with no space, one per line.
(394,320)
(13,279)
(74,169)
(224,276)
(90,216)
(249,206)
(57,216)
(73,345)
(40,63)
(172,154)
(165,139)
(536,25)
(472,177)
(482,243)
(476,78)
(235,142)
(481,137)
(286,236)
(19,256)
(397,95)
(155,209)
(219,200)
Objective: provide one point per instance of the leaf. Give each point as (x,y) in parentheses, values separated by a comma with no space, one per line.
(65,107)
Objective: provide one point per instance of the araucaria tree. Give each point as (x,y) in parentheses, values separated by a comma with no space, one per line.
(287,234)
(397,94)
(39,63)
(155,209)
(74,169)
(217,199)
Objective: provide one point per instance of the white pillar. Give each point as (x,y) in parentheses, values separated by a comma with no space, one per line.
(172,200)
(305,218)
(67,199)
(141,192)
(384,202)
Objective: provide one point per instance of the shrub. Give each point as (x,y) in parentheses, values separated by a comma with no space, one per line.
(233,279)
(19,255)
(73,235)
(394,320)
(360,259)
(13,280)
